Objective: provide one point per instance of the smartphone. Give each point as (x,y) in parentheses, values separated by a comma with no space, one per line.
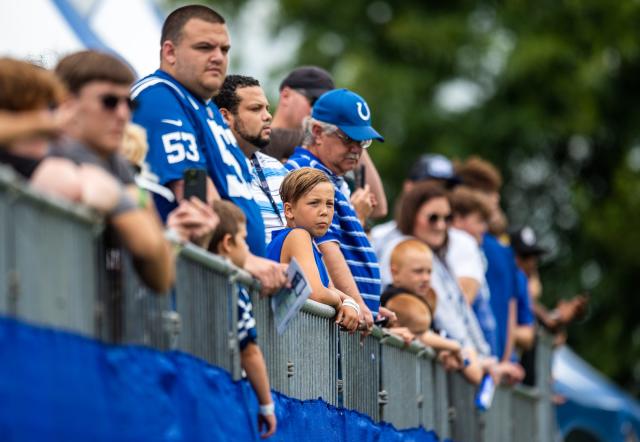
(359,177)
(195,184)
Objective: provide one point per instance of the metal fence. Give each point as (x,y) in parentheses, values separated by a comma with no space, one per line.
(58,270)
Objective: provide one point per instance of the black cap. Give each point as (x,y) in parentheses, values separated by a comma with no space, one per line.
(313,80)
(433,167)
(525,243)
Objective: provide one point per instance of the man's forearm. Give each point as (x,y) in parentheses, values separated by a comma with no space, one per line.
(372,178)
(143,237)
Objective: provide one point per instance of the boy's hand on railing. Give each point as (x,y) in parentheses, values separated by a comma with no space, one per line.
(272,275)
(348,316)
(404,333)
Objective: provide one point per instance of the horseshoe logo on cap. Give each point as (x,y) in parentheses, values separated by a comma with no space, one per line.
(364,116)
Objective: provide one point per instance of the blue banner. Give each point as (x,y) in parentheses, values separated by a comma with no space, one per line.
(58,386)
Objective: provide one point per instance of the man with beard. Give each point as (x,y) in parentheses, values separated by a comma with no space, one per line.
(186,130)
(245,108)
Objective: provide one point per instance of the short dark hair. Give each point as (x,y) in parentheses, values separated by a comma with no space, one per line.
(174,23)
(465,201)
(414,199)
(80,68)
(231,217)
(227,97)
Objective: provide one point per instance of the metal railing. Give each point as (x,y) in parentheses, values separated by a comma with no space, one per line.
(57,270)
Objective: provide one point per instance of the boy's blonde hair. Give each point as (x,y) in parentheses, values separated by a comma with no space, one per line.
(300,182)
(401,249)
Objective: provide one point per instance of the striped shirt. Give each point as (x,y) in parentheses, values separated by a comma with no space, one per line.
(274,173)
(347,231)
(246,322)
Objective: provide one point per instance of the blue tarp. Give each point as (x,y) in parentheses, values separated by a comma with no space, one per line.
(58,386)
(593,404)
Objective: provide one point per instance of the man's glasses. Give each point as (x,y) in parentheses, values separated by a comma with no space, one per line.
(110,102)
(433,218)
(347,140)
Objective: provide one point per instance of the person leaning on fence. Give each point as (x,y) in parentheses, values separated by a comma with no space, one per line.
(299,91)
(30,120)
(229,241)
(193,220)
(245,108)
(101,106)
(426,215)
(501,274)
(186,130)
(336,135)
(308,198)
(413,300)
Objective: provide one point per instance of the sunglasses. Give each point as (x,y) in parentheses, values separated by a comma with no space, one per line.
(433,218)
(110,102)
(347,140)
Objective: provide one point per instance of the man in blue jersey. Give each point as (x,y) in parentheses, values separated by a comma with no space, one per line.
(246,109)
(335,136)
(186,130)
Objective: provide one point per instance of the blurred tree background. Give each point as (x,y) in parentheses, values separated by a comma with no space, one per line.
(547,91)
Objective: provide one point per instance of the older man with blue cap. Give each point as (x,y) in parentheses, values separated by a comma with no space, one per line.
(335,137)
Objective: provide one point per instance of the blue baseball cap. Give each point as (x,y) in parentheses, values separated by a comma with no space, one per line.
(348,111)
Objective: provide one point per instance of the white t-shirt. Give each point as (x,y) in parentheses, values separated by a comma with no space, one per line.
(464,256)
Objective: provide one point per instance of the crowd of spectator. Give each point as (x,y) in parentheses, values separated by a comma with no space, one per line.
(299,185)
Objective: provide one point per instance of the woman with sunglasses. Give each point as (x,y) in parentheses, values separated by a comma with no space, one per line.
(426,215)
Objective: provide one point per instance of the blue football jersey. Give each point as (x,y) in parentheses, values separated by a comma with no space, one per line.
(185,132)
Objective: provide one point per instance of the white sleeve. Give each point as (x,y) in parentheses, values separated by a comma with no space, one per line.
(463,256)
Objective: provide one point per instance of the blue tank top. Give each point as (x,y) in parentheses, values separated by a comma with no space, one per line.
(274,250)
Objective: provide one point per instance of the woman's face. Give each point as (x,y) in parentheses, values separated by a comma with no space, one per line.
(432,221)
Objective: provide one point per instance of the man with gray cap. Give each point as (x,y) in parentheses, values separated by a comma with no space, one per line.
(298,92)
(335,136)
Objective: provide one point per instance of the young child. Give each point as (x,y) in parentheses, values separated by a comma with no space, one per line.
(414,301)
(229,240)
(308,198)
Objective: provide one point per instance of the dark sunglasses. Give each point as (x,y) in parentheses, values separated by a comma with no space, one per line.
(433,218)
(347,140)
(110,102)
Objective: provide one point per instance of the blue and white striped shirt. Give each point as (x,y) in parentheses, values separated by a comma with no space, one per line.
(347,231)
(274,173)
(247,331)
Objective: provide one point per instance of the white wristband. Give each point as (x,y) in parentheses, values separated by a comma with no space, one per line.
(268,409)
(351,303)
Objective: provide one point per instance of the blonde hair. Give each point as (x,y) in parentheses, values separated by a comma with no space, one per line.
(134,145)
(300,182)
(401,249)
